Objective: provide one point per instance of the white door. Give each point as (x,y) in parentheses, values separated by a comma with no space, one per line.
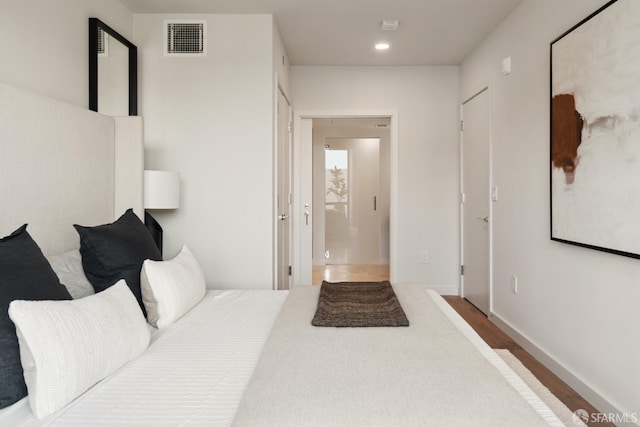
(476,200)
(351,193)
(303,221)
(284,193)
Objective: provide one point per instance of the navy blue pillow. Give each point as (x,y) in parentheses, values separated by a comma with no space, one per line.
(116,251)
(25,274)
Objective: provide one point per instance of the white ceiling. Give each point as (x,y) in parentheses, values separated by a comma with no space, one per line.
(343,32)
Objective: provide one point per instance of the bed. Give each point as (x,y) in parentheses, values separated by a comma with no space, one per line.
(208,357)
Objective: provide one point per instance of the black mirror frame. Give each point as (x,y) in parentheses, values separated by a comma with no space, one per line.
(94,24)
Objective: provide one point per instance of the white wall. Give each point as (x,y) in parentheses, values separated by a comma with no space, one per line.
(45,44)
(428,114)
(211,119)
(578,306)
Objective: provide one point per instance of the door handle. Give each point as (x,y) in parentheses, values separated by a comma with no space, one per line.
(375,203)
(283,217)
(306,217)
(485,219)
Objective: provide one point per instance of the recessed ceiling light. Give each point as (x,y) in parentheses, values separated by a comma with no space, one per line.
(382,46)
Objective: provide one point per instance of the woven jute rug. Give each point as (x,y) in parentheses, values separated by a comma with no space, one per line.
(358,304)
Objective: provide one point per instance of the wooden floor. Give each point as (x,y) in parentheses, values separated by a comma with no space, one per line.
(350,273)
(498,339)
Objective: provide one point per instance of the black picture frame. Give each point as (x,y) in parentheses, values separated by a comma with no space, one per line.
(95,25)
(584,117)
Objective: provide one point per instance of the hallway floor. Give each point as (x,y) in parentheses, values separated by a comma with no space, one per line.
(350,273)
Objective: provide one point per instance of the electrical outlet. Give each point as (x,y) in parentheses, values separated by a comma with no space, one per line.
(514,284)
(425,257)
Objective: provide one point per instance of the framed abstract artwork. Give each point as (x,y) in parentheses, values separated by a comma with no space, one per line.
(595,131)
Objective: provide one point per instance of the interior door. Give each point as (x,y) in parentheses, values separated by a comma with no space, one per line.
(303,189)
(351,192)
(284,193)
(476,200)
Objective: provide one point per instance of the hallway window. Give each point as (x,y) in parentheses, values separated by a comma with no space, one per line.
(336,181)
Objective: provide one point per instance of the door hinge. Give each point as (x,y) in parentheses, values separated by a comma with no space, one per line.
(462,197)
(289,270)
(290,127)
(462,270)
(461,125)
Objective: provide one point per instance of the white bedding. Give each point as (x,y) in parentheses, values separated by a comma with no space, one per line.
(196,371)
(167,385)
(426,374)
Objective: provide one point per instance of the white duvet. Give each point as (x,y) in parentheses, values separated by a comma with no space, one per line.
(196,372)
(193,373)
(432,373)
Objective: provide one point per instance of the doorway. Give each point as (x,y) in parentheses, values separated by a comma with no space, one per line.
(351,199)
(476,215)
(304,210)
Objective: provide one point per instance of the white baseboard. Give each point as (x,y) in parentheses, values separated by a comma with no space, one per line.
(587,392)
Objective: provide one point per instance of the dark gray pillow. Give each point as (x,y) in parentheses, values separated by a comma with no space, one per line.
(25,274)
(116,251)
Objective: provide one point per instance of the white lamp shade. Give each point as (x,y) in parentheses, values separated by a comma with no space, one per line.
(161,190)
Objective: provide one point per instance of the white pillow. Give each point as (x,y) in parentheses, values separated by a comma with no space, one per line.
(68,267)
(68,346)
(171,288)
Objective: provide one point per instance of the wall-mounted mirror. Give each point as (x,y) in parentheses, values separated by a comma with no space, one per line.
(113,71)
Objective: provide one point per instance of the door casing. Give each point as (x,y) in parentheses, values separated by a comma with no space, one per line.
(303,191)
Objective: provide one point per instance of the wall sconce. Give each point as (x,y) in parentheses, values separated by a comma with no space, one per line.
(161,191)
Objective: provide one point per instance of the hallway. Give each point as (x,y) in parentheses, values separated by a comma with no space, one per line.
(350,273)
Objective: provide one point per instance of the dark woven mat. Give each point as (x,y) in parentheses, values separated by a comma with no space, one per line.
(358,304)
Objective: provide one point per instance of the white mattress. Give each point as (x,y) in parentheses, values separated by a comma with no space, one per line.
(167,385)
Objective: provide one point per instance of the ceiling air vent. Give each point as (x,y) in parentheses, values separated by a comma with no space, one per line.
(185,38)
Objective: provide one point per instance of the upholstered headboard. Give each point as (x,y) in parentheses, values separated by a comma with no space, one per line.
(62,165)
